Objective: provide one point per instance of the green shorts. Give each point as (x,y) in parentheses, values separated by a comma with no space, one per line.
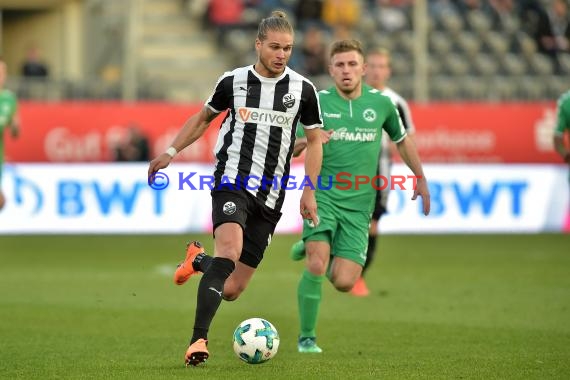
(346,231)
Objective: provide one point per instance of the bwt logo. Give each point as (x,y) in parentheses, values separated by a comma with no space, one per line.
(73,197)
(341,181)
(26,191)
(68,197)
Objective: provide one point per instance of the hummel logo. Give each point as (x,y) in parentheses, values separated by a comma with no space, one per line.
(215,290)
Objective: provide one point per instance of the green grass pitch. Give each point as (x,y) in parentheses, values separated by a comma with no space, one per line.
(442,307)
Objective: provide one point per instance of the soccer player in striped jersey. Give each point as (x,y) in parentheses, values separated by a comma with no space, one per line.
(265,103)
(8,119)
(336,247)
(377,74)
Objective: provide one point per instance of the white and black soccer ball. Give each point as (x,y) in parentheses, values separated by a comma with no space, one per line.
(256,340)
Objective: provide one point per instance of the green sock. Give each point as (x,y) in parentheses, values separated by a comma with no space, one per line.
(309,298)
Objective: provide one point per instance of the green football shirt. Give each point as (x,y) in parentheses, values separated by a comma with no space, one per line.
(563,117)
(355,145)
(7,112)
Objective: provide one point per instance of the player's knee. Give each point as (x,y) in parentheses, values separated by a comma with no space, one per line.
(341,282)
(232,292)
(316,266)
(228,251)
(316,263)
(343,286)
(228,241)
(230,296)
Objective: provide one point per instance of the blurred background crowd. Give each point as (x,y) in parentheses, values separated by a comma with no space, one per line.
(173,50)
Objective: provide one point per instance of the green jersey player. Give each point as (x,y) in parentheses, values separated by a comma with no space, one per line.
(356,114)
(563,126)
(8,119)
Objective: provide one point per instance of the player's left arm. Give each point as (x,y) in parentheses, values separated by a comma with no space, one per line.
(409,153)
(301,142)
(406,117)
(407,122)
(313,162)
(311,119)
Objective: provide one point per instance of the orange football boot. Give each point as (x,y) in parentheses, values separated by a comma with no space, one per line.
(197,353)
(185,269)
(360,289)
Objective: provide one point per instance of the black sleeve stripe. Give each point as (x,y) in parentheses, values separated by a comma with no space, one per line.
(310,112)
(250,129)
(403,116)
(275,137)
(221,99)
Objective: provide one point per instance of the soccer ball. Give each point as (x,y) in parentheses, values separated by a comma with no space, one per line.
(256,341)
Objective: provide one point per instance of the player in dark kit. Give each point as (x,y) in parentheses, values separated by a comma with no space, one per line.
(265,102)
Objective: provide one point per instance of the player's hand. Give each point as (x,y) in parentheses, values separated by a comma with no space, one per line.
(423,191)
(309,206)
(326,135)
(158,163)
(15,131)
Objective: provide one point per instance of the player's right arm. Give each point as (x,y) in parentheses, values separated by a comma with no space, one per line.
(191,131)
(197,124)
(409,154)
(194,128)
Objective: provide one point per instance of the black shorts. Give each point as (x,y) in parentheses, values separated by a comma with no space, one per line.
(257,221)
(381,202)
(379,206)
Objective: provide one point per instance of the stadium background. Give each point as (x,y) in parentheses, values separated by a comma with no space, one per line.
(87,249)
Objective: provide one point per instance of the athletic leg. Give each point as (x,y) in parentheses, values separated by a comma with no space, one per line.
(228,245)
(309,293)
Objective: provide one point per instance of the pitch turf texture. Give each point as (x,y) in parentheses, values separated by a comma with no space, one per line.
(457,307)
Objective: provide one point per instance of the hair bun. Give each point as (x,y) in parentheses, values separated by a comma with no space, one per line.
(280,14)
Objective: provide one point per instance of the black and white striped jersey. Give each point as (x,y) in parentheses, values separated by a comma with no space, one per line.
(256,138)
